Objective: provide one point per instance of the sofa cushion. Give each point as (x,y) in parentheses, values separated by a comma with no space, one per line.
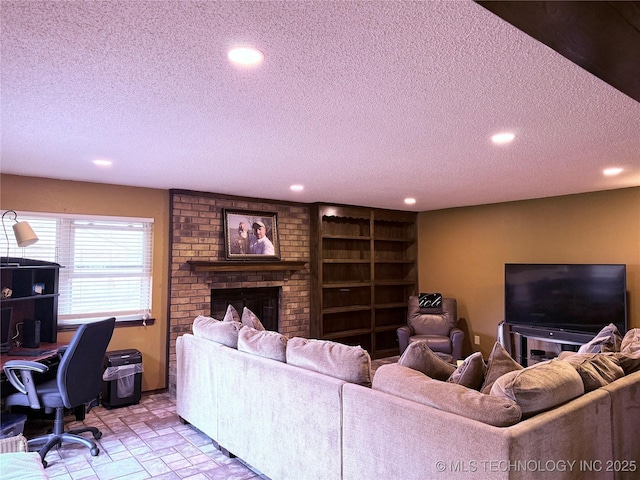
(420,357)
(348,363)
(263,343)
(607,340)
(595,369)
(250,319)
(410,384)
(631,341)
(498,363)
(471,372)
(540,387)
(225,333)
(231,315)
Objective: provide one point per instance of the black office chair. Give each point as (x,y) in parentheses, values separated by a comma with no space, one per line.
(78,382)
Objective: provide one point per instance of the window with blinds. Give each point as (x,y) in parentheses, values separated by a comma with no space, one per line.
(106,263)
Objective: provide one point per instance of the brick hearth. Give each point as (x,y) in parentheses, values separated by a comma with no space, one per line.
(197,234)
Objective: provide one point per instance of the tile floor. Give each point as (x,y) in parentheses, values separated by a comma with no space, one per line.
(141,441)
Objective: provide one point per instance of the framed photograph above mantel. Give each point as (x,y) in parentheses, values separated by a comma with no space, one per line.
(251,235)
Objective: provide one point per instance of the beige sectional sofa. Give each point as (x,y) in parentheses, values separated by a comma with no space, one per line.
(314,416)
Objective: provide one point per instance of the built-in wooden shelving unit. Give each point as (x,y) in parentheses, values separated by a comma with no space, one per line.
(363,270)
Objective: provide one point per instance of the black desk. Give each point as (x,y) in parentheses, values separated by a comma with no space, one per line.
(49,358)
(50,353)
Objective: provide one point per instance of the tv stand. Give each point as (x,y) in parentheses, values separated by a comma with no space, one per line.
(526,339)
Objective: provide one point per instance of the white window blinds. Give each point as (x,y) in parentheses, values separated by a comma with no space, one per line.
(106,263)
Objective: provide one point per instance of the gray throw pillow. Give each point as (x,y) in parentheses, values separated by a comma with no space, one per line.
(471,372)
(595,369)
(499,363)
(263,343)
(251,320)
(630,362)
(231,315)
(540,387)
(607,340)
(420,357)
(225,333)
(349,363)
(631,341)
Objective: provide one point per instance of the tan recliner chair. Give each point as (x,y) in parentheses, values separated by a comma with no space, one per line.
(436,326)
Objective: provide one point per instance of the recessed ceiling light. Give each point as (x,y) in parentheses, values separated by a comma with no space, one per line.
(610,172)
(410,201)
(103,162)
(296,188)
(245,56)
(502,138)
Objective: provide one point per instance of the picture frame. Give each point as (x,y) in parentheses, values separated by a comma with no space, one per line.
(251,235)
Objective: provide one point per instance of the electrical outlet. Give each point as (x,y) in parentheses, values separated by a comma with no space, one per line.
(476,339)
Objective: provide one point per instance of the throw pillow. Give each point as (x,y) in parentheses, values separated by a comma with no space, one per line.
(540,387)
(225,333)
(607,340)
(630,362)
(231,315)
(348,363)
(595,369)
(420,357)
(631,341)
(412,385)
(471,372)
(498,363)
(251,320)
(263,343)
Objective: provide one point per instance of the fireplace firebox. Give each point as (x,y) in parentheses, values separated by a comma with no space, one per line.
(263,301)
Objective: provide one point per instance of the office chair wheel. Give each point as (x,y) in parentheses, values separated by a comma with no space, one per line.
(44,463)
(97,435)
(95,451)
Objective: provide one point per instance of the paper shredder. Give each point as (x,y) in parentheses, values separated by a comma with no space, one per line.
(122,378)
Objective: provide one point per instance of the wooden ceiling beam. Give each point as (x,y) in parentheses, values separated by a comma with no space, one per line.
(601,37)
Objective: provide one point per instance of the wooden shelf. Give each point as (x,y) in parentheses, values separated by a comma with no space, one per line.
(244,266)
(347,237)
(351,308)
(21,275)
(363,270)
(346,260)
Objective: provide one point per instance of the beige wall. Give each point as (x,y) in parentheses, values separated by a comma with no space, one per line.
(462,251)
(45,195)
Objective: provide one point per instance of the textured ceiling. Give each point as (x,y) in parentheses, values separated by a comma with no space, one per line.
(363,103)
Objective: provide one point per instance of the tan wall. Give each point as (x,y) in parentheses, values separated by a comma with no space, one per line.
(46,195)
(462,251)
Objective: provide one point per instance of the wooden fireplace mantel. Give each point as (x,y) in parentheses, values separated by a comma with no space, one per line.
(244,266)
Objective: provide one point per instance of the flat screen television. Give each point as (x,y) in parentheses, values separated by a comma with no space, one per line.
(580,298)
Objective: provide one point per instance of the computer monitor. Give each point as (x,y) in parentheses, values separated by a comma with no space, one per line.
(5,327)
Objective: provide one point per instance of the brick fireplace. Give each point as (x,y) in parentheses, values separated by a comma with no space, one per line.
(197,238)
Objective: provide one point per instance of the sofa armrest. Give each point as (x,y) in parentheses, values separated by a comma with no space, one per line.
(457,338)
(404,334)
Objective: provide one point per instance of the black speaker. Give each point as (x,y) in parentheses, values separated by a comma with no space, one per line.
(30,333)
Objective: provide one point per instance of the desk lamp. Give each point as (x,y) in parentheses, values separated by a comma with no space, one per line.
(23,232)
